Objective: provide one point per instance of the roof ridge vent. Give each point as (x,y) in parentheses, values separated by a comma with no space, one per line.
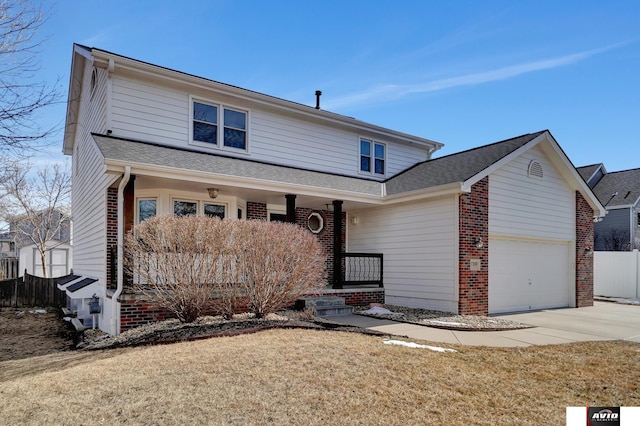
(535,170)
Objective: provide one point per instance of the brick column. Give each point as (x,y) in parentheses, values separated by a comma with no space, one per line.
(584,257)
(473,296)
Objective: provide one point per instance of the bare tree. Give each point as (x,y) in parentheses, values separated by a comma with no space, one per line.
(36,208)
(617,240)
(21,93)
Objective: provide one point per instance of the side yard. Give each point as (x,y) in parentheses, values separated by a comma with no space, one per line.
(29,332)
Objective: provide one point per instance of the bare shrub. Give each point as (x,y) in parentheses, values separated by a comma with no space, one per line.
(279,262)
(188,264)
(175,262)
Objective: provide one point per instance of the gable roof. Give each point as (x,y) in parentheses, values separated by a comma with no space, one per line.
(625,183)
(587,172)
(84,56)
(460,171)
(455,167)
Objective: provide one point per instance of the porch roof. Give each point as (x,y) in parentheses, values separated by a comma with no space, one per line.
(182,162)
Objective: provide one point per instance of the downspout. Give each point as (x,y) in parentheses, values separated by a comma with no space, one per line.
(115,318)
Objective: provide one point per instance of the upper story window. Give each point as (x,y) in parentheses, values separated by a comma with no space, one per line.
(206,125)
(372,157)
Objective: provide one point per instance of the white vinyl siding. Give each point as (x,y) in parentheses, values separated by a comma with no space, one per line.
(90,183)
(419,247)
(532,207)
(145,111)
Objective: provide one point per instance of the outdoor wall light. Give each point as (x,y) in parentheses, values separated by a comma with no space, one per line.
(213,192)
(478,242)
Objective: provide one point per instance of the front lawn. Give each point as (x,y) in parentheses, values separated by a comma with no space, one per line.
(307,377)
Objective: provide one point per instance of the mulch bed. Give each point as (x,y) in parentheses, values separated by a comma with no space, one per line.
(172,331)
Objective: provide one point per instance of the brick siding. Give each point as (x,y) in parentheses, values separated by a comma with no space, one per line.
(256,211)
(584,257)
(362,298)
(136,312)
(473,298)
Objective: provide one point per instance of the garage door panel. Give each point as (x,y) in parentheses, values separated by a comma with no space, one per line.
(528,275)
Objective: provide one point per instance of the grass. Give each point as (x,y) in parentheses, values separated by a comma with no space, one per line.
(291,377)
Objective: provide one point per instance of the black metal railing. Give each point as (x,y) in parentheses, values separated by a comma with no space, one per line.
(361,269)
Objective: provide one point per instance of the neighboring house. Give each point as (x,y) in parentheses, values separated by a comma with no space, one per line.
(504,227)
(619,192)
(7,245)
(8,257)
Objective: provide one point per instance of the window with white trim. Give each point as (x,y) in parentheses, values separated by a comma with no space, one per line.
(185,208)
(372,157)
(192,208)
(147,208)
(214,210)
(207,129)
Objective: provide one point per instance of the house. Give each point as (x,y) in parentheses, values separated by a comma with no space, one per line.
(7,245)
(619,192)
(8,257)
(503,227)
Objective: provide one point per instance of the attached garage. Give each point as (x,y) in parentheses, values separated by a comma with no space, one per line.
(530,274)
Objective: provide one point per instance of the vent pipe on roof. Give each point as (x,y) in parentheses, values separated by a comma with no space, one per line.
(318,94)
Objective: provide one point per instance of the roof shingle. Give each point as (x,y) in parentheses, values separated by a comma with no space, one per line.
(455,167)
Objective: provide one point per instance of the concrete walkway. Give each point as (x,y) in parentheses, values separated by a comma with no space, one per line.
(603,321)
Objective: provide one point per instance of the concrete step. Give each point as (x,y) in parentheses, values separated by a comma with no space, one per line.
(312,301)
(333,311)
(325,306)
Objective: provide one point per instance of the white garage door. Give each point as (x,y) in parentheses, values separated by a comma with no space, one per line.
(526,275)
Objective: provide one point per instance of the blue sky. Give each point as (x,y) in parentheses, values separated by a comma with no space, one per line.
(464,73)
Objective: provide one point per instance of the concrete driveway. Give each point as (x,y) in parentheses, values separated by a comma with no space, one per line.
(603,321)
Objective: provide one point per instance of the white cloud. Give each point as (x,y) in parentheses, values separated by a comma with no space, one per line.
(394,91)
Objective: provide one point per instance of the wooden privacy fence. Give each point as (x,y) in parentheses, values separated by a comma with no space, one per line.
(31,291)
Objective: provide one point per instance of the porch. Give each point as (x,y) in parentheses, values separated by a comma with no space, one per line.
(145,196)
